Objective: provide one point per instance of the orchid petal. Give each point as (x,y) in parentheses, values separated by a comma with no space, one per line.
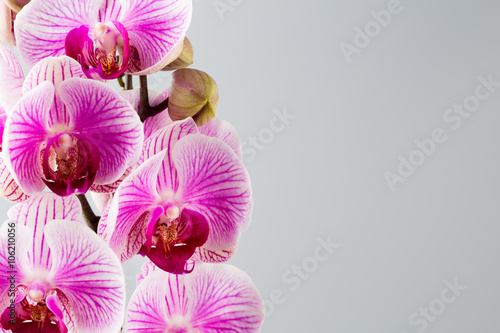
(54,70)
(156,30)
(101,200)
(130,207)
(206,255)
(11,78)
(166,139)
(214,182)
(24,135)
(105,227)
(221,129)
(212,299)
(59,305)
(10,190)
(111,188)
(41,27)
(39,210)
(156,123)
(110,10)
(146,269)
(90,275)
(101,115)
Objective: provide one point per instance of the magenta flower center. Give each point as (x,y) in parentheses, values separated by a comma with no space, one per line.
(30,312)
(106,56)
(172,236)
(69,164)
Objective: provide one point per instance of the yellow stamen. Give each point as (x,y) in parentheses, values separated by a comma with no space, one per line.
(38,312)
(168,235)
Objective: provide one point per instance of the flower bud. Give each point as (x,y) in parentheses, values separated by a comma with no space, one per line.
(184,60)
(193,94)
(8,11)
(6,18)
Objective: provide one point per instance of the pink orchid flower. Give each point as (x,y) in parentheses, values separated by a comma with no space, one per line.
(191,194)
(213,299)
(107,37)
(67,132)
(64,277)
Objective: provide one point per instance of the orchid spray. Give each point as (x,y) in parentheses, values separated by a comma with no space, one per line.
(165,174)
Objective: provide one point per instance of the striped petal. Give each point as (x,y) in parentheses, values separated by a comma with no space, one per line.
(24,135)
(205,255)
(11,78)
(130,209)
(110,10)
(101,115)
(54,70)
(36,212)
(166,139)
(89,274)
(156,29)
(110,188)
(221,129)
(214,182)
(9,188)
(42,26)
(212,299)
(101,200)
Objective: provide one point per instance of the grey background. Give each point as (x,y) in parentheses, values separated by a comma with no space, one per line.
(323,174)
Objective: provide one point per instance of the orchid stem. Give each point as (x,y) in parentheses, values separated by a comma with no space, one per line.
(144,99)
(88,214)
(130,83)
(145,109)
(121,83)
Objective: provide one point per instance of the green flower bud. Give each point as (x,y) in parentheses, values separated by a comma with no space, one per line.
(193,94)
(184,60)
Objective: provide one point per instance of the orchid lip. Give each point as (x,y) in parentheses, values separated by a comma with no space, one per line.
(170,243)
(41,314)
(99,58)
(70,163)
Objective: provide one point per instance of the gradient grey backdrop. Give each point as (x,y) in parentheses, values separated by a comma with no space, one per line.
(323,173)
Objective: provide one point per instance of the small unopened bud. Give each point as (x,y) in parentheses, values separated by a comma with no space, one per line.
(6,17)
(184,60)
(193,94)
(8,11)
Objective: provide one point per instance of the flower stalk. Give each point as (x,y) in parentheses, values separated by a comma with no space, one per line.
(145,110)
(88,214)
